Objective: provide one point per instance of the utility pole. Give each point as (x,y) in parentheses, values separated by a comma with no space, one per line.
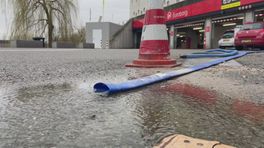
(103,9)
(90,14)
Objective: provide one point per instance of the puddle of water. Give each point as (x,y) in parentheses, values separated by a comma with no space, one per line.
(166,113)
(27,93)
(200,94)
(63,115)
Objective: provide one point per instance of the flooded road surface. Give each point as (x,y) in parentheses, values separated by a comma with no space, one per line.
(64,112)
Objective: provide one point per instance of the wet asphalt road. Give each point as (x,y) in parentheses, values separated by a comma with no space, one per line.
(46,100)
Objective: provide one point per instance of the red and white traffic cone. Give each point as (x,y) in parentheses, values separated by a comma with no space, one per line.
(154,48)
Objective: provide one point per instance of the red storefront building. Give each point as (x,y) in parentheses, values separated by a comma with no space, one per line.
(201,23)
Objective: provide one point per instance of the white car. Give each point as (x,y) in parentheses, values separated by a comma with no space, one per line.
(227,40)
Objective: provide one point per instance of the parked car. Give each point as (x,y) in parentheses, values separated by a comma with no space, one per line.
(227,39)
(251,35)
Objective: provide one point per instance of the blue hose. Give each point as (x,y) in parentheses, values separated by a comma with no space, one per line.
(212,53)
(110,88)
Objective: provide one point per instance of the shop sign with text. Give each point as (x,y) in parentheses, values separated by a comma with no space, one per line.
(227,4)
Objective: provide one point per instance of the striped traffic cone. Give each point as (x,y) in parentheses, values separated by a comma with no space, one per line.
(154,48)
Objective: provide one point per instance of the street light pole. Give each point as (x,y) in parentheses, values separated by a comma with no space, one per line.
(103,9)
(90,14)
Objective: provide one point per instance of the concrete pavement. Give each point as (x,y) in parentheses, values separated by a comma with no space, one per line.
(46,100)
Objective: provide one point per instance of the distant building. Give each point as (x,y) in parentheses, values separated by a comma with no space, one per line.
(139,7)
(106,35)
(198,23)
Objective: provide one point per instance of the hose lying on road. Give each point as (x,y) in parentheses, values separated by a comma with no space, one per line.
(212,53)
(110,88)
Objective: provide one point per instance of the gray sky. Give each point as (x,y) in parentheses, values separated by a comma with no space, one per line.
(115,11)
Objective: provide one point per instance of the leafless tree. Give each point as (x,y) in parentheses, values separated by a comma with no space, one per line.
(78,36)
(42,16)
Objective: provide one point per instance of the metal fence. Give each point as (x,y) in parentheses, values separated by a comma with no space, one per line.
(39,44)
(4,43)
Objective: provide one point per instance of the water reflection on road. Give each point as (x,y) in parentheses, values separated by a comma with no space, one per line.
(65,115)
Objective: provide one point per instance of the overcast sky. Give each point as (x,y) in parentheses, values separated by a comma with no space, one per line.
(115,11)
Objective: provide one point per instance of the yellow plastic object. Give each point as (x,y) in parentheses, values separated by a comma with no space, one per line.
(181,141)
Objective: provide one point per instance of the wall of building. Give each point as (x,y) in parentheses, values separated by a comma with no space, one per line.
(139,7)
(100,26)
(26,44)
(86,45)
(123,38)
(113,30)
(108,30)
(63,45)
